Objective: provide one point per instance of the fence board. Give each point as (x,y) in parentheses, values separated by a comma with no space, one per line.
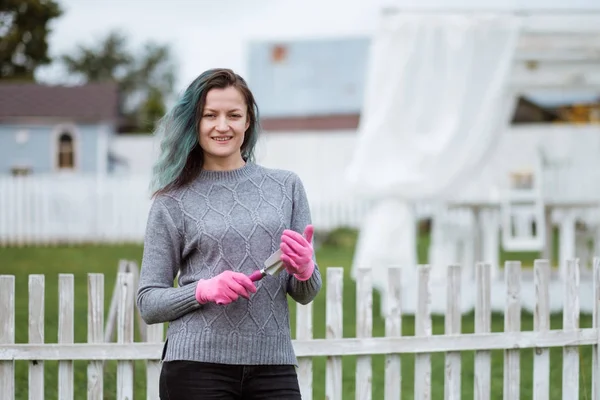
(49,210)
(304,331)
(423,330)
(334,314)
(321,347)
(393,328)
(453,327)
(334,346)
(155,334)
(95,378)
(596,325)
(483,322)
(36,335)
(66,299)
(541,323)
(7,334)
(512,323)
(364,329)
(570,384)
(125,334)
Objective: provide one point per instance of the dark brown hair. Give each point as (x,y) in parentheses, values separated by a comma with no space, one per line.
(181,158)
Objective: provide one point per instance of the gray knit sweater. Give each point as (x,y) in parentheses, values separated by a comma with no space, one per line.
(224,220)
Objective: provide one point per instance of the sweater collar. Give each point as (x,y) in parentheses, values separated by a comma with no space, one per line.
(230,175)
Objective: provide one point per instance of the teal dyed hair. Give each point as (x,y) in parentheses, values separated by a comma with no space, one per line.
(180,158)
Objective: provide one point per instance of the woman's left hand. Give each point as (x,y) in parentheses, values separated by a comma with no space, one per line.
(297,253)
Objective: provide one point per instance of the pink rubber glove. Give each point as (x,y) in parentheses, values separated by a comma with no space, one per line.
(297,253)
(224,288)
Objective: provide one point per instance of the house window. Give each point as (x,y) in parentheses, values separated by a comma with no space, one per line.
(66,151)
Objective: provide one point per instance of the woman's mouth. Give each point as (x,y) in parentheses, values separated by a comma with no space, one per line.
(222,139)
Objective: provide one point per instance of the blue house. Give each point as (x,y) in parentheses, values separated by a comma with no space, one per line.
(57,129)
(309,83)
(319,84)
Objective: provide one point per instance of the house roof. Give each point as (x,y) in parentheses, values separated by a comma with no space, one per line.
(90,102)
(526,112)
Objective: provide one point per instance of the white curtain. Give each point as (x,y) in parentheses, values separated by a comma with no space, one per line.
(436,99)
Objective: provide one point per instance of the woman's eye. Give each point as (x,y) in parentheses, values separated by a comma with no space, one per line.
(236,116)
(208,115)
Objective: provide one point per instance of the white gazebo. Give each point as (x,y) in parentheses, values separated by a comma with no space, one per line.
(441,89)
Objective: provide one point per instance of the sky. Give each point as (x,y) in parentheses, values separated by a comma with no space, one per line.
(213,33)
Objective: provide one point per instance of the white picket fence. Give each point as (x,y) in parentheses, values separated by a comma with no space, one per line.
(46,210)
(334,346)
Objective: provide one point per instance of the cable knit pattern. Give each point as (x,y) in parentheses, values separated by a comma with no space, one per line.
(224,220)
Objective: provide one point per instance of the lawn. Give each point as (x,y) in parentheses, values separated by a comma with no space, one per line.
(81,260)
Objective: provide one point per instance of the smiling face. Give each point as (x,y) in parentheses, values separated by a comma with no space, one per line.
(222,128)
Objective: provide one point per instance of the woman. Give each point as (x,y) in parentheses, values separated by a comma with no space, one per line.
(216,217)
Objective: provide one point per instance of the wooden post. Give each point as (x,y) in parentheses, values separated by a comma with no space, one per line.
(453,327)
(125,331)
(7,334)
(304,331)
(364,329)
(570,384)
(95,374)
(125,266)
(596,325)
(512,323)
(541,323)
(393,328)
(66,289)
(423,328)
(334,314)
(483,323)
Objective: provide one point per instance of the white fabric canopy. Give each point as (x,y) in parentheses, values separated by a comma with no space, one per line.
(437,96)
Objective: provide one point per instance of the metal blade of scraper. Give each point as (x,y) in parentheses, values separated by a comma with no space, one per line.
(272,266)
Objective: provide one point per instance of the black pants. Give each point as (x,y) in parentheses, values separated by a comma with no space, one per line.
(188,380)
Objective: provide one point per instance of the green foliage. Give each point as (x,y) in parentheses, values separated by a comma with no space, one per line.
(151,110)
(108,60)
(146,77)
(344,238)
(24,28)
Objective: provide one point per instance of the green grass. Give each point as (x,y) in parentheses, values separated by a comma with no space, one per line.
(103,259)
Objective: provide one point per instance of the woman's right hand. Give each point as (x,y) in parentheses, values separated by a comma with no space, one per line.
(224,288)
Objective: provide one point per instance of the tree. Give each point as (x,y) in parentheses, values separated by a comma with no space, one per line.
(24,32)
(145,81)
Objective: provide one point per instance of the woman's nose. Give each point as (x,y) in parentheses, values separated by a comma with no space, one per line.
(222,124)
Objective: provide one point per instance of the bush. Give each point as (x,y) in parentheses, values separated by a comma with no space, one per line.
(340,238)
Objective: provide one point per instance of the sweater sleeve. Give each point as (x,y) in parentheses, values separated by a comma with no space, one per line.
(302,291)
(157,299)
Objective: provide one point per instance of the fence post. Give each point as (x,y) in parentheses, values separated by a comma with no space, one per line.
(364,329)
(304,331)
(65,333)
(512,323)
(95,334)
(334,315)
(125,328)
(541,323)
(483,323)
(393,328)
(423,328)
(453,327)
(155,334)
(570,323)
(36,335)
(596,325)
(7,333)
